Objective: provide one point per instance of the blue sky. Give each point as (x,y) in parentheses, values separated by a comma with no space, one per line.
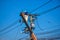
(10,10)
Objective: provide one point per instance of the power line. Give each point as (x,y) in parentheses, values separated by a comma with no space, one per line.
(41,6)
(41,13)
(11,29)
(55,37)
(46,12)
(43,33)
(23,37)
(17,32)
(38,25)
(8,31)
(50,38)
(9,26)
(56,30)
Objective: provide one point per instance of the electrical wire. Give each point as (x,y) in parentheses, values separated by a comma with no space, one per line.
(49,10)
(50,38)
(10,29)
(58,6)
(53,31)
(9,26)
(38,25)
(41,6)
(17,32)
(23,37)
(55,37)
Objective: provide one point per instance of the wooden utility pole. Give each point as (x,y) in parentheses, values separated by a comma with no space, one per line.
(32,35)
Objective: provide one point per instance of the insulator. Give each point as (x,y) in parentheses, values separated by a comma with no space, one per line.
(26,17)
(32,26)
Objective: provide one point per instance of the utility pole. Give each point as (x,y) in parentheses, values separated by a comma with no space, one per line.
(32,35)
